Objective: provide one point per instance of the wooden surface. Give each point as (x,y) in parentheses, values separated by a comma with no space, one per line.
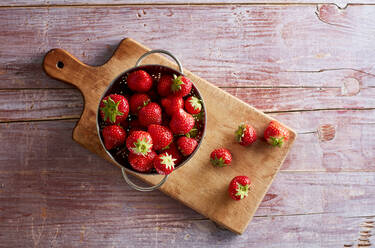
(316,60)
(197,184)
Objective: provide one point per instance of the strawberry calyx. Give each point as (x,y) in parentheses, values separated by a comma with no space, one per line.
(142,147)
(195,103)
(145,103)
(274,141)
(177,82)
(167,160)
(111,110)
(166,147)
(193,133)
(242,190)
(218,162)
(240,133)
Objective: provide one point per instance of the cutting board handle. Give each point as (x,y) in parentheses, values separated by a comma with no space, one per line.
(61,65)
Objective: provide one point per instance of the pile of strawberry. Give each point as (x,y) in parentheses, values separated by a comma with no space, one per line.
(275,134)
(157,125)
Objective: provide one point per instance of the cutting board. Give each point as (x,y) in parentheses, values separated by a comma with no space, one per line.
(197,184)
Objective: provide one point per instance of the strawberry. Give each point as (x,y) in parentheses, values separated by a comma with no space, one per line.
(137,101)
(181,122)
(165,85)
(150,114)
(193,105)
(220,157)
(139,142)
(172,104)
(174,152)
(181,86)
(114,109)
(239,187)
(276,134)
(142,163)
(245,134)
(139,81)
(113,136)
(186,145)
(164,163)
(161,136)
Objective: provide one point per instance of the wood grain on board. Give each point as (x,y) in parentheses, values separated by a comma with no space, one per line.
(320,52)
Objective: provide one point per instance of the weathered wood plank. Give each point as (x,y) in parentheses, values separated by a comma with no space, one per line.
(40,104)
(52,191)
(331,140)
(21,105)
(340,3)
(313,150)
(351,147)
(286,231)
(247,45)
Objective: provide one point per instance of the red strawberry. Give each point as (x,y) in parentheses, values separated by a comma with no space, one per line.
(276,134)
(186,145)
(139,142)
(164,85)
(114,109)
(181,122)
(113,136)
(220,157)
(150,114)
(245,134)
(164,163)
(137,101)
(142,163)
(161,136)
(239,187)
(139,81)
(174,152)
(172,104)
(193,105)
(181,86)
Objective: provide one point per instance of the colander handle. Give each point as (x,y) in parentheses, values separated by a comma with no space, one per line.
(164,52)
(140,188)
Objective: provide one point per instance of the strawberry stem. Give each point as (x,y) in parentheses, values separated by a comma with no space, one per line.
(177,82)
(142,147)
(195,103)
(240,132)
(242,190)
(110,110)
(277,141)
(168,161)
(218,162)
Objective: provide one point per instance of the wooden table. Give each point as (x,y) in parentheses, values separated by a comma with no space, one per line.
(309,65)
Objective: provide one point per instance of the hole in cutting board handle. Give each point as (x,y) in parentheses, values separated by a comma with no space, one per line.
(60,64)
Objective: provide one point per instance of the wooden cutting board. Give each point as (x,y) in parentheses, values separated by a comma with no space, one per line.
(197,184)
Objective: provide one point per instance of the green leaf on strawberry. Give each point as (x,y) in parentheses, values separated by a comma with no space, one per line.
(242,190)
(142,147)
(177,82)
(111,110)
(167,160)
